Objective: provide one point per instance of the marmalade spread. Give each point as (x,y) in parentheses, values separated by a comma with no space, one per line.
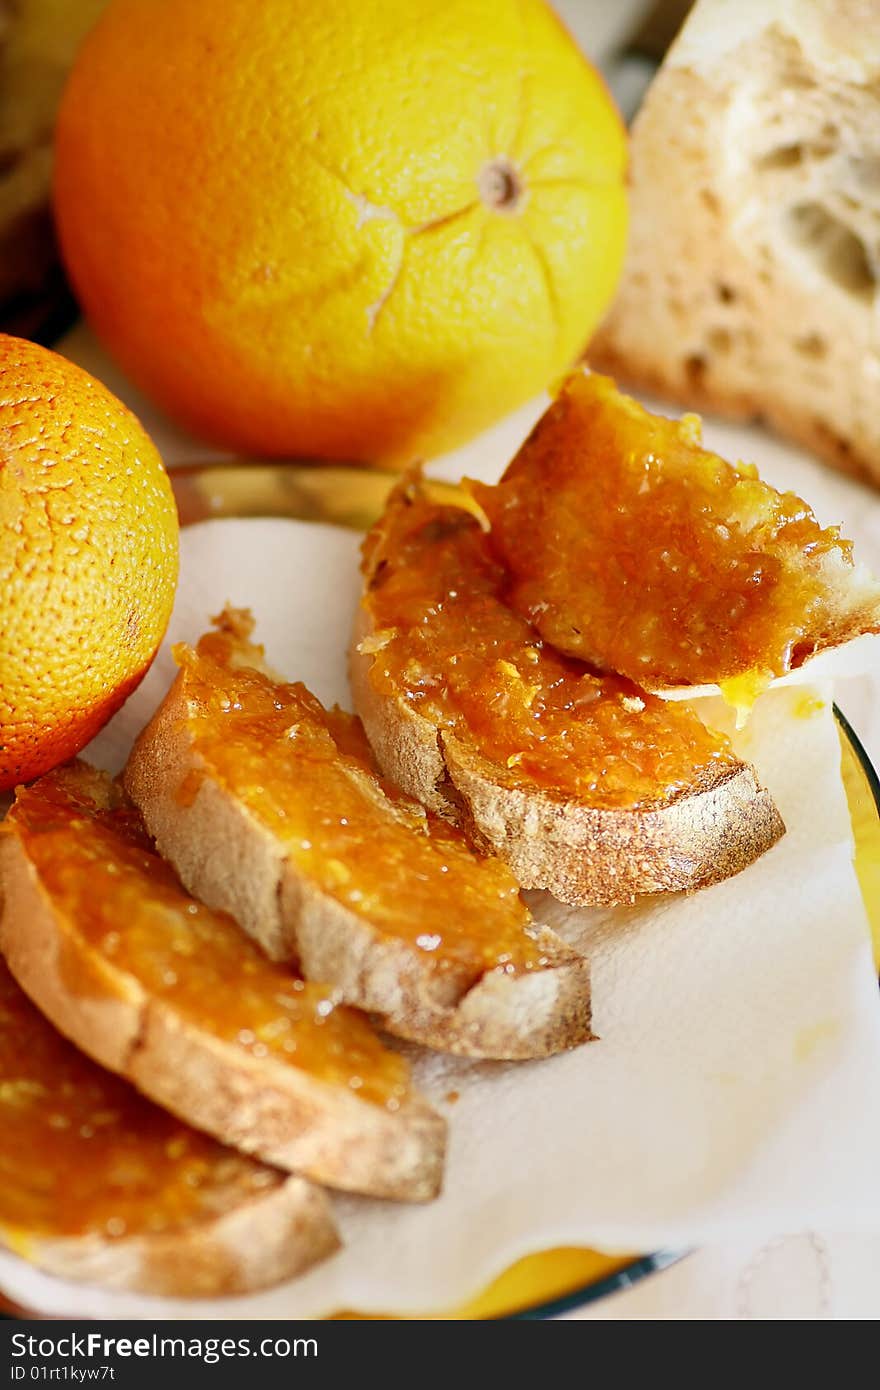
(632,547)
(307,774)
(446,643)
(83,1153)
(119,899)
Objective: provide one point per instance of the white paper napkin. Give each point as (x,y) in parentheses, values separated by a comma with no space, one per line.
(736,1086)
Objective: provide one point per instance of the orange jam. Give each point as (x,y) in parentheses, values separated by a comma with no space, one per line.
(307,774)
(448,645)
(121,900)
(632,547)
(81,1152)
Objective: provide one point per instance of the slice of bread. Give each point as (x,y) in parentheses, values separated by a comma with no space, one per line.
(633,547)
(584,785)
(99,1185)
(751,282)
(270,808)
(173,996)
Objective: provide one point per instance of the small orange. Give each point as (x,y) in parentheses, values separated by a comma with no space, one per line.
(88,557)
(354,229)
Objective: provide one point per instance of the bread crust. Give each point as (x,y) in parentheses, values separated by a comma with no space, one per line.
(228,859)
(262,1241)
(582,855)
(277,1113)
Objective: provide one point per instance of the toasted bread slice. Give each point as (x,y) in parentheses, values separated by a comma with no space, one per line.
(99,1185)
(270,808)
(584,785)
(632,547)
(100,933)
(751,280)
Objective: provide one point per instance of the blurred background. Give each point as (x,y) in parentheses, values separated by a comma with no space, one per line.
(38,41)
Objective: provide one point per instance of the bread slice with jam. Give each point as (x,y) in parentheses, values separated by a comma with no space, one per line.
(172,995)
(585,784)
(101,1186)
(630,545)
(271,808)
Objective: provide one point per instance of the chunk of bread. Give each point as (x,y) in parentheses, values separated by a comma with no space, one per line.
(424,562)
(631,546)
(232,857)
(102,1187)
(751,282)
(204,1062)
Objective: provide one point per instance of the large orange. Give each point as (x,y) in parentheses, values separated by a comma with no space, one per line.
(88,557)
(345,228)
